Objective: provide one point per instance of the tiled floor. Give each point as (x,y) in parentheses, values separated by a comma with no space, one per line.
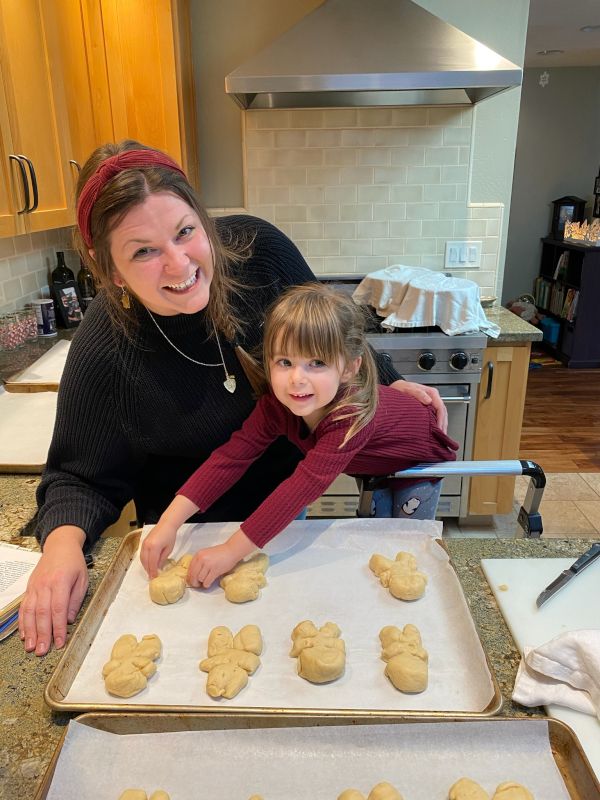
(570,508)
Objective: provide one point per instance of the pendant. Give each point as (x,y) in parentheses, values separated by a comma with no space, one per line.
(230,384)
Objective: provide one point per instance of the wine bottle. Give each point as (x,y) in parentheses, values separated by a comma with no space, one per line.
(87,287)
(61,273)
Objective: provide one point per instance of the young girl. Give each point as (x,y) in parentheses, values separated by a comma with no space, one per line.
(322,394)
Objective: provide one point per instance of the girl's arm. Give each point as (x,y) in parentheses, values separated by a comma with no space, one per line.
(159,543)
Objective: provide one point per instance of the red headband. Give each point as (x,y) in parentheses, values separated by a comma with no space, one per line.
(129,159)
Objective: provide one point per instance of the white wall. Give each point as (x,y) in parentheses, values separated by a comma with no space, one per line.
(558,153)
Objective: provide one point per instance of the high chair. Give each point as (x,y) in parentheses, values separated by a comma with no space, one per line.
(529,517)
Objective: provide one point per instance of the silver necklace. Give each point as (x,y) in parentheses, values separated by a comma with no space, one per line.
(229,382)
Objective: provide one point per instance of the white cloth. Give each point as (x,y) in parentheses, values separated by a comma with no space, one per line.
(415,297)
(564,671)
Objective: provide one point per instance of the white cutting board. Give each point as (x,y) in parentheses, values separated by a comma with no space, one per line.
(26,425)
(575,607)
(47,370)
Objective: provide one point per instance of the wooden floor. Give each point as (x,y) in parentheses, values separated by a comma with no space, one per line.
(561,422)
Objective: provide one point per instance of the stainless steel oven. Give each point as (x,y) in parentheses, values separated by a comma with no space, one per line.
(450,363)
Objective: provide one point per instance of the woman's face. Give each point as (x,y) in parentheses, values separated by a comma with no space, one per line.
(162,255)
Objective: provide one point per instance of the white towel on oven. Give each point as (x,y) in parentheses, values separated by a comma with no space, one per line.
(564,671)
(415,297)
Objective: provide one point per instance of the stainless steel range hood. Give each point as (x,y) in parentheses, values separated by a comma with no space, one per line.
(371,53)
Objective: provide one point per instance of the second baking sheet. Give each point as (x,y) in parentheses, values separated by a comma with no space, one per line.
(319,571)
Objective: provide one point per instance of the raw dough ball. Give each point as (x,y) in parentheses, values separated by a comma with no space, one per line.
(384,791)
(231,659)
(245,580)
(401,576)
(169,585)
(406,658)
(140,794)
(321,653)
(512,791)
(466,789)
(351,794)
(131,663)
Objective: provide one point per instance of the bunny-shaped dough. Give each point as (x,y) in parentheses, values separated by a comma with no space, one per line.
(466,789)
(231,659)
(169,585)
(512,791)
(401,576)
(140,794)
(321,653)
(406,658)
(383,791)
(245,579)
(131,663)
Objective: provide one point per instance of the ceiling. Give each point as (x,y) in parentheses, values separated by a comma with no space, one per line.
(555,24)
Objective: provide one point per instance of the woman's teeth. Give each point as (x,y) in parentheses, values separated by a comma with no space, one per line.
(180,287)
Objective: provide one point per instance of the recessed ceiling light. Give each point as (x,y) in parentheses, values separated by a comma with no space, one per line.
(590,28)
(548,52)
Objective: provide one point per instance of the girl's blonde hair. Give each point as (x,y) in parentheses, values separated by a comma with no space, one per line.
(125,191)
(315,321)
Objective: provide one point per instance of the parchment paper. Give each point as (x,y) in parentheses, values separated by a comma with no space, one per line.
(48,368)
(422,761)
(319,571)
(26,425)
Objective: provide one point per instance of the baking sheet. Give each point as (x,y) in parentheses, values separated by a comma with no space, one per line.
(47,370)
(319,570)
(300,763)
(26,425)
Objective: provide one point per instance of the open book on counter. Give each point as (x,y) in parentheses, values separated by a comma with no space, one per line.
(16,564)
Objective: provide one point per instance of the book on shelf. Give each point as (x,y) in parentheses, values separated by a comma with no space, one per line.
(16,564)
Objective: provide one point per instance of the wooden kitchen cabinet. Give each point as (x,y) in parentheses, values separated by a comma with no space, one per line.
(33,123)
(498,422)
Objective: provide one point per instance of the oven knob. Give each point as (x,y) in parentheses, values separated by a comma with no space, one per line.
(459,360)
(426,361)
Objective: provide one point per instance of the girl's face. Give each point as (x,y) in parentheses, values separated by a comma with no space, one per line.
(162,255)
(306,386)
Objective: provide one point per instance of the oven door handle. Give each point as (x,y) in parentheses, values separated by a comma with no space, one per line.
(463,399)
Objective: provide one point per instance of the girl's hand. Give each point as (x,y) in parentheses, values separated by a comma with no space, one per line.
(428,395)
(212,562)
(55,591)
(157,547)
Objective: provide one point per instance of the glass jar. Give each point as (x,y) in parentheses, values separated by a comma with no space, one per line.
(29,322)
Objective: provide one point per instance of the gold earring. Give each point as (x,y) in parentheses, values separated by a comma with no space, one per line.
(125,299)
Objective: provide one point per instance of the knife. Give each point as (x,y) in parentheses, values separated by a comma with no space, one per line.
(568,574)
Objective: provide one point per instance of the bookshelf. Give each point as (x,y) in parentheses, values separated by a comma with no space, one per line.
(568,290)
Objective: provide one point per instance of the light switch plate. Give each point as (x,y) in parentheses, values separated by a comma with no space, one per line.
(464,254)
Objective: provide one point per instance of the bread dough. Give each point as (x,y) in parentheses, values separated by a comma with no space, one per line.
(140,794)
(351,794)
(321,653)
(170,584)
(131,664)
(245,580)
(231,659)
(400,576)
(466,789)
(384,791)
(512,791)
(407,660)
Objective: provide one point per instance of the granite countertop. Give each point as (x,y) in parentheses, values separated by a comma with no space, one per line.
(513,329)
(30,731)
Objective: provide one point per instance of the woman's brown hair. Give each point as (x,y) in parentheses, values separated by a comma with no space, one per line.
(130,188)
(315,321)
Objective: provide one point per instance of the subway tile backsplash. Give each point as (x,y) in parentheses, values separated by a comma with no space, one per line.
(25,265)
(361,189)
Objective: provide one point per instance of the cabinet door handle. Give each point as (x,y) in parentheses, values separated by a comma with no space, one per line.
(488,391)
(25,183)
(75,164)
(34,186)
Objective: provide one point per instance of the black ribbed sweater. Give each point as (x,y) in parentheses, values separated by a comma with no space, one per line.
(135,419)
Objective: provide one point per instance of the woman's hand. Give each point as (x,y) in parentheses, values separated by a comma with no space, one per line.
(428,395)
(212,562)
(55,591)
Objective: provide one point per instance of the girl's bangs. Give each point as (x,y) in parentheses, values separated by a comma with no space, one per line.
(307,338)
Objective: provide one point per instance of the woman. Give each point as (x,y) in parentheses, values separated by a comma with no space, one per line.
(154,379)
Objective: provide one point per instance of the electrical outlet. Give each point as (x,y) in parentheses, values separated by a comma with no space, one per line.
(463,255)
